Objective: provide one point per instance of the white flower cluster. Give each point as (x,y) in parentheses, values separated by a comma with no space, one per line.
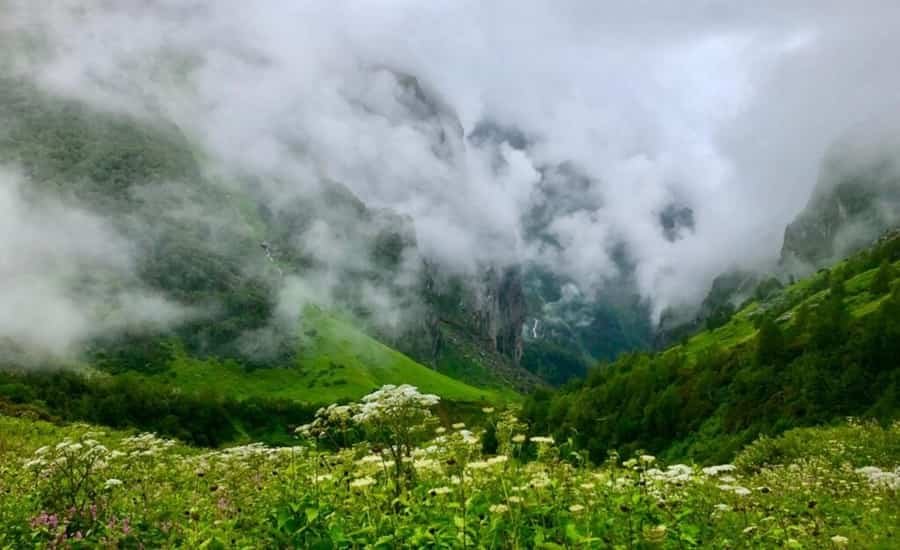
(86,451)
(713,471)
(388,402)
(881,478)
(331,416)
(487,464)
(677,473)
(391,401)
(146,444)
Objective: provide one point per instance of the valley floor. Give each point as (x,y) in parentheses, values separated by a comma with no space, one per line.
(80,487)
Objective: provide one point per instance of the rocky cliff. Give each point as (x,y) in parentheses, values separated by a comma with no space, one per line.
(856,199)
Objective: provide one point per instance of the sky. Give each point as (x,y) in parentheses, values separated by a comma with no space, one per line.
(723,107)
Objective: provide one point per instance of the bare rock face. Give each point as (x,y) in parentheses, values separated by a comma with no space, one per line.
(475,321)
(838,223)
(497,311)
(511,313)
(856,199)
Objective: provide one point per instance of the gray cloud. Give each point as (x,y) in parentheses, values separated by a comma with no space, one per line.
(726,108)
(67,276)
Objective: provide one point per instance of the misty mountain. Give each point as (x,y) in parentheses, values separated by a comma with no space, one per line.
(856,199)
(232,259)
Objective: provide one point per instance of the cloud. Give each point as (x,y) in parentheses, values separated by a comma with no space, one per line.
(725,108)
(67,276)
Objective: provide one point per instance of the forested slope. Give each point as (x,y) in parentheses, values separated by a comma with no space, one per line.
(819,350)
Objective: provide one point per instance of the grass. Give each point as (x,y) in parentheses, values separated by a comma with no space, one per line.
(336,362)
(824,488)
(740,329)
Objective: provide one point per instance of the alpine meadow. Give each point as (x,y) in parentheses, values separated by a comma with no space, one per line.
(477,275)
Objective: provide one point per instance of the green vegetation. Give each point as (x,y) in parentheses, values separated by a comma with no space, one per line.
(336,362)
(817,351)
(552,362)
(205,417)
(158,386)
(409,482)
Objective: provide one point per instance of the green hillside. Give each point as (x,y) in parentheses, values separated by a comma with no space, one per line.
(816,351)
(158,385)
(336,362)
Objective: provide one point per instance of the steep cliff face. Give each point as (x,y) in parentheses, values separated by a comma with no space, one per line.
(510,315)
(839,222)
(856,199)
(473,326)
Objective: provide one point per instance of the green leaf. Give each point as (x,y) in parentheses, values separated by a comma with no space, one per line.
(311,515)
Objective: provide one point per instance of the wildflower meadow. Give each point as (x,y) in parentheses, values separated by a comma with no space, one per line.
(386,473)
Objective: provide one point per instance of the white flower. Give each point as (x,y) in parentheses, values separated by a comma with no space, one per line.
(648,459)
(362,482)
(369,459)
(458,425)
(716,470)
(35,462)
(441,490)
(576,508)
(518,438)
(112,482)
(499,459)
(542,440)
(840,540)
(722,507)
(741,491)
(499,508)
(539,482)
(468,437)
(478,465)
(487,410)
(427,464)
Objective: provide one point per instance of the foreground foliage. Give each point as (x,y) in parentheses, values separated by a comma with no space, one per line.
(404,481)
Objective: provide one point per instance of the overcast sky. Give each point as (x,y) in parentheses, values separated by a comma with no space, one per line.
(722,107)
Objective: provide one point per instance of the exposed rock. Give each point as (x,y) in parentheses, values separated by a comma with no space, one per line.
(856,199)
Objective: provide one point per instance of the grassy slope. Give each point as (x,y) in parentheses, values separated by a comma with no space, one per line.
(336,362)
(740,329)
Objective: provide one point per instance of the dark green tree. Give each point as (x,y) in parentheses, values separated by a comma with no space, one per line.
(882,282)
(801,322)
(769,343)
(832,317)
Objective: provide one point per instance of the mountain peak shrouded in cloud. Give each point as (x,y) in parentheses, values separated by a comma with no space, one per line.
(501,133)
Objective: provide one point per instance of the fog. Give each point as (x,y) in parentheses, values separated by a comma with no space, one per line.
(609,116)
(67,277)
